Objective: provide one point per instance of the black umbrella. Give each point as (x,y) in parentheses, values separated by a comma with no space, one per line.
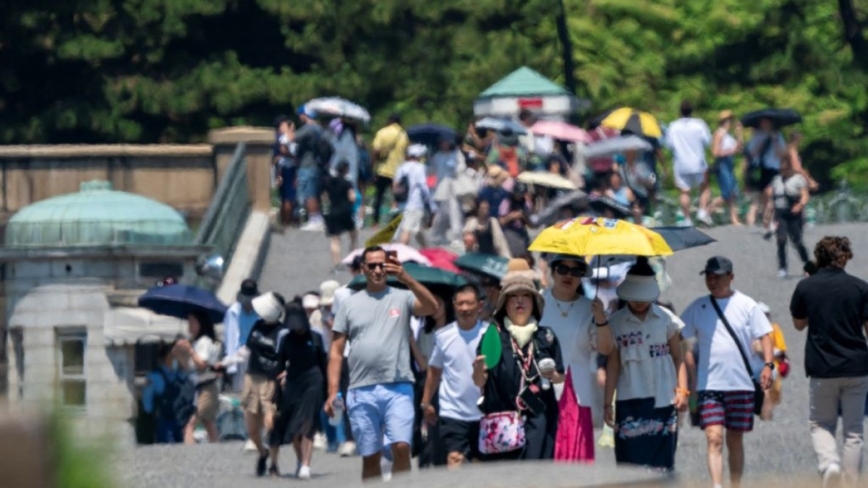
(552,212)
(430,134)
(780,116)
(600,204)
(680,238)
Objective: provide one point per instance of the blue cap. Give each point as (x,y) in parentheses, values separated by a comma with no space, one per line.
(303,110)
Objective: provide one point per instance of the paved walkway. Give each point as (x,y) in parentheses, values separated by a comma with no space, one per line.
(299,261)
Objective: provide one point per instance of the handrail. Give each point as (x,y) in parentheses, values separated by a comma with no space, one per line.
(225,218)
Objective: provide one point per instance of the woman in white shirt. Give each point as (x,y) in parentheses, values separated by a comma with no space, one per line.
(643,344)
(203,352)
(568,313)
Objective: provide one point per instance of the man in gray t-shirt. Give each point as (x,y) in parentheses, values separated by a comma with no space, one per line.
(376,321)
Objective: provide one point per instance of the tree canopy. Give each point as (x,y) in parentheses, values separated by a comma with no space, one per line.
(170,70)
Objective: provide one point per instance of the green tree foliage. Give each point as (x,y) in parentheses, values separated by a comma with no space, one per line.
(169,70)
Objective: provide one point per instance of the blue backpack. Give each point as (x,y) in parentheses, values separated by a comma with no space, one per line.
(176,401)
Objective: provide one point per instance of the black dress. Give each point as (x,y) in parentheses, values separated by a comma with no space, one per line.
(302,398)
(502,388)
(340,217)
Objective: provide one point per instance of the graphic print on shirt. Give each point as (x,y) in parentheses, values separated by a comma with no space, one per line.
(631,339)
(658,350)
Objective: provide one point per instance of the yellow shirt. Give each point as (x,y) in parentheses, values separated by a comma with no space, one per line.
(392,142)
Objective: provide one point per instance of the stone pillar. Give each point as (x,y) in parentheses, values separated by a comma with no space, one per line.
(25,453)
(259,143)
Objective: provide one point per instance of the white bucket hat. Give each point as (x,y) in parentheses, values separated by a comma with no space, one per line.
(639,289)
(327,292)
(268,307)
(310,302)
(640,284)
(417,151)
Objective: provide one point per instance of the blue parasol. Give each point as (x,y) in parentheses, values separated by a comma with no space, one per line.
(180,300)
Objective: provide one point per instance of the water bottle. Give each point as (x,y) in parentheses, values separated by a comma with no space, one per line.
(546,365)
(811,216)
(338,408)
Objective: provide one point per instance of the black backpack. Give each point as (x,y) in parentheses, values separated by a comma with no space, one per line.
(176,401)
(402,190)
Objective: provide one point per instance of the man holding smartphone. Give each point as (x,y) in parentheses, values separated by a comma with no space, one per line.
(380,398)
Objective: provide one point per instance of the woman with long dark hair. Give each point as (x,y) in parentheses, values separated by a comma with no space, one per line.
(303,360)
(203,353)
(426,437)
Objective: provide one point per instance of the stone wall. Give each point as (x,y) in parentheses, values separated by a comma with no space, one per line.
(182,176)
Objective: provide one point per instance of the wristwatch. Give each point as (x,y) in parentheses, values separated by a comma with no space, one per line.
(771,366)
(424,405)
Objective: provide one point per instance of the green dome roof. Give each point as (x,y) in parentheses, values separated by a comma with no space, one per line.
(97,216)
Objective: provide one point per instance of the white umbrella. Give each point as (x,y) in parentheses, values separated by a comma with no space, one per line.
(615,145)
(339,107)
(495,124)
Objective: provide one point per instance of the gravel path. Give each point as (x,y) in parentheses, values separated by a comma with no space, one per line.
(299,261)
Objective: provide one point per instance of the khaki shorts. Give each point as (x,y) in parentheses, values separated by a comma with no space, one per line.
(413,221)
(257,396)
(207,402)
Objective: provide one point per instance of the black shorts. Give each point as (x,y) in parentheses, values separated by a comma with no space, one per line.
(460,436)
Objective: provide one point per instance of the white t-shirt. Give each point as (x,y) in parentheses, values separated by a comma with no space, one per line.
(418,186)
(647,368)
(578,337)
(454,352)
(688,138)
(720,365)
(207,350)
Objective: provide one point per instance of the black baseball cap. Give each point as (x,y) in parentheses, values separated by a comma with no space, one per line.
(249,288)
(718,265)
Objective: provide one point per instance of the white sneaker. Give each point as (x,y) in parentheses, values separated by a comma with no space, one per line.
(832,476)
(320,442)
(386,469)
(313,225)
(250,446)
(782,273)
(703,217)
(347,449)
(304,473)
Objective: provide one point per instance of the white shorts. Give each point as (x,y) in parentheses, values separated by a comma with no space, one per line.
(688,181)
(412,221)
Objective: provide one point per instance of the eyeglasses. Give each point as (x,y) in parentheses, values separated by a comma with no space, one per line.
(563,269)
(373,266)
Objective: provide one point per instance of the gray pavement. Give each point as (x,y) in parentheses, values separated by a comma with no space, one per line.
(299,261)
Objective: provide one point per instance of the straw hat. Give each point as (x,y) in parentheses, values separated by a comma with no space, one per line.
(725,115)
(497,175)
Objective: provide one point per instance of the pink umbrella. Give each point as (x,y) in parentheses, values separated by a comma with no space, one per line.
(441,258)
(405,254)
(560,130)
(574,441)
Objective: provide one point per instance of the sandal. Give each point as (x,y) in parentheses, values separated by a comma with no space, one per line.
(273,471)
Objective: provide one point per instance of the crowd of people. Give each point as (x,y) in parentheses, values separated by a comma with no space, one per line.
(466,189)
(478,373)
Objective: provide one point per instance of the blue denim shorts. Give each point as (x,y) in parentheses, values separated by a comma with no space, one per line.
(380,412)
(308,183)
(726,178)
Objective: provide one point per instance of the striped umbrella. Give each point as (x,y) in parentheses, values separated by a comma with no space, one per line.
(632,120)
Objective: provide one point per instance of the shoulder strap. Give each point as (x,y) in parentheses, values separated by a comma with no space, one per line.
(732,334)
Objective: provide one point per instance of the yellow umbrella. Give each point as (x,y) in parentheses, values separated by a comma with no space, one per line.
(635,121)
(590,236)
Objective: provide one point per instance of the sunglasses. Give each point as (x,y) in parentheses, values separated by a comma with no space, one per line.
(576,271)
(373,266)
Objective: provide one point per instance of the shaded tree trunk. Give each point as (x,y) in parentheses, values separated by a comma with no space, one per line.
(853,33)
(566,48)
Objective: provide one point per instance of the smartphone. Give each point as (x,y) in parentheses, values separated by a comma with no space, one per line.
(533,403)
(391,254)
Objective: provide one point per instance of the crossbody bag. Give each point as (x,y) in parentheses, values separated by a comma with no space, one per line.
(759,393)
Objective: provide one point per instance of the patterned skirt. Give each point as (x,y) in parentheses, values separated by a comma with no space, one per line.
(644,435)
